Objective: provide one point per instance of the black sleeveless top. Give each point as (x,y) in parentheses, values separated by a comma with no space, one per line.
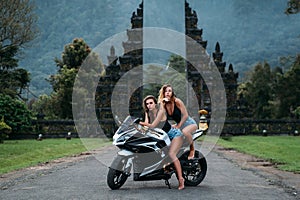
(176,115)
(164,125)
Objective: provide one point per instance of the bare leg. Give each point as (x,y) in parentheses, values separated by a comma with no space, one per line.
(187,131)
(174,148)
(179,172)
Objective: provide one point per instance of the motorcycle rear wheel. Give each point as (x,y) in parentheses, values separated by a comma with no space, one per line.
(118,173)
(195,176)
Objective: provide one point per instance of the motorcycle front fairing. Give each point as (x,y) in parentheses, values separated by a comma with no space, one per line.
(133,138)
(141,143)
(124,131)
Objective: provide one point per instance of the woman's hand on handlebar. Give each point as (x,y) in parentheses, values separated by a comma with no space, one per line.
(144,123)
(143,127)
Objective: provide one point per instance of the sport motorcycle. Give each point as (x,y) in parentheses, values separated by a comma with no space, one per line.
(144,152)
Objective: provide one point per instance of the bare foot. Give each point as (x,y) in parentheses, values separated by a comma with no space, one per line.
(191,155)
(181,184)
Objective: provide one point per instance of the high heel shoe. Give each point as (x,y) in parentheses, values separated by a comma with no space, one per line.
(181,184)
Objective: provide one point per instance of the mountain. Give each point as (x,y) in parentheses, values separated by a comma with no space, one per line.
(248,31)
(60,21)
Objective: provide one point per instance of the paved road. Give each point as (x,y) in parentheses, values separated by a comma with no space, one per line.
(86,179)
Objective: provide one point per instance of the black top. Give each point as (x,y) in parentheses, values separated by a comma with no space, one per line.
(164,125)
(176,115)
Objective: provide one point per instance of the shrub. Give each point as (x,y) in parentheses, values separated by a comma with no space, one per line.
(4,130)
(16,114)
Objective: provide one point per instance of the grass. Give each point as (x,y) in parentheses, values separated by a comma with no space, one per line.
(18,154)
(281,150)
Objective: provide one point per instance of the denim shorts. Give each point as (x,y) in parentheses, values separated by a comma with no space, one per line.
(174,132)
(187,122)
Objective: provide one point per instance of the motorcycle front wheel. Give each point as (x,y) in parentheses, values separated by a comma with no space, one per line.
(118,172)
(193,171)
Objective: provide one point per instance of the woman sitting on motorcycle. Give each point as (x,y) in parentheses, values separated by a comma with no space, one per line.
(177,111)
(156,117)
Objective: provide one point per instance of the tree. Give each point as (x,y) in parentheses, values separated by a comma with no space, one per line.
(272,94)
(74,55)
(13,80)
(177,63)
(288,90)
(47,106)
(18,28)
(18,23)
(293,7)
(172,74)
(259,91)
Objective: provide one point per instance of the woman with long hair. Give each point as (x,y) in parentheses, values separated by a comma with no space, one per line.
(177,111)
(156,117)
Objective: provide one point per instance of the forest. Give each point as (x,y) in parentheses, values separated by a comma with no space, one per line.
(248,32)
(43,46)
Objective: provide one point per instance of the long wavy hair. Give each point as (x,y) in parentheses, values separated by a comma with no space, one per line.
(162,93)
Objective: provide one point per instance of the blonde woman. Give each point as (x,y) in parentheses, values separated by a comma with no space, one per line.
(177,111)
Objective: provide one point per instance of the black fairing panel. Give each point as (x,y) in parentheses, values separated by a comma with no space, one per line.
(135,143)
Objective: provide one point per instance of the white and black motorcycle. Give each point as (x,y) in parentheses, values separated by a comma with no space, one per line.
(145,152)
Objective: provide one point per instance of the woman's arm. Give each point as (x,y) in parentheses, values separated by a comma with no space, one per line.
(158,118)
(146,117)
(184,113)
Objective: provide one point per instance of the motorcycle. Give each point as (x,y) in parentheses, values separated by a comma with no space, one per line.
(144,151)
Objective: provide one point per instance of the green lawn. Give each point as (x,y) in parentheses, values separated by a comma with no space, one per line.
(17,154)
(284,150)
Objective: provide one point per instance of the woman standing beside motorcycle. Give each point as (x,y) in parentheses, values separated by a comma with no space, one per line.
(156,117)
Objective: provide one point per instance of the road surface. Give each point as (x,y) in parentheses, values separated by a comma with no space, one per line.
(85,178)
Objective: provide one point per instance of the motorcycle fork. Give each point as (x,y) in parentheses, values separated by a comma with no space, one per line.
(128,166)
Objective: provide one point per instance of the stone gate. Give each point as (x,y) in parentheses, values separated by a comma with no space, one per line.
(133,57)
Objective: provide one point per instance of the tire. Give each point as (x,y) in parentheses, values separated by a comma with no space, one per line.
(195,176)
(118,173)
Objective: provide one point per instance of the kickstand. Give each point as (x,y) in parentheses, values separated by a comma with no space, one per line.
(168,183)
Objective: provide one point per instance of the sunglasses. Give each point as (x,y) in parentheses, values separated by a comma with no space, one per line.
(149,103)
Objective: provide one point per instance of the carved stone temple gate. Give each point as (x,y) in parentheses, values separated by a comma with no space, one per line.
(133,57)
